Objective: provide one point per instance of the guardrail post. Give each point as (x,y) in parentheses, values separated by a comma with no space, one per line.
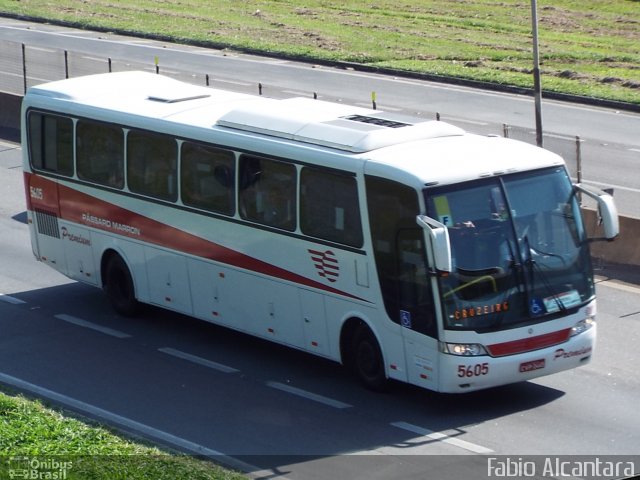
(579,166)
(24,68)
(578,159)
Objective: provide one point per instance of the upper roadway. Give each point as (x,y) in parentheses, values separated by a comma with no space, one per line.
(610,139)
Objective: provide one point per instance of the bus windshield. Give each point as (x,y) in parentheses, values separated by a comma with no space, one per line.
(519,250)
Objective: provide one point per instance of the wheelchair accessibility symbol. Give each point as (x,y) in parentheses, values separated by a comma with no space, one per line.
(405,319)
(536,307)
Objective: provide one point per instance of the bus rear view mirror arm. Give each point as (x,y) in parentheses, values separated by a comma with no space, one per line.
(607,211)
(439,236)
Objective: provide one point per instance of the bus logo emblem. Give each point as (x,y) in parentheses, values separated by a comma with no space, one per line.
(326,264)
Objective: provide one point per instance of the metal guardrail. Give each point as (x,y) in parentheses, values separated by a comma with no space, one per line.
(22,66)
(567,148)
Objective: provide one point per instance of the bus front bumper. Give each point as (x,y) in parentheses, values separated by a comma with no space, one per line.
(460,374)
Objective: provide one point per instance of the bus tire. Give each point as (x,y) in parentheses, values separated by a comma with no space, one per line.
(119,287)
(368,363)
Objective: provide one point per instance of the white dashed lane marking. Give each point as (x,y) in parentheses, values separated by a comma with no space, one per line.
(198,360)
(441,437)
(92,326)
(308,395)
(11,300)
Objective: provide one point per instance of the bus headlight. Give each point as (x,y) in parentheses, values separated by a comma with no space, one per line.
(463,349)
(582,326)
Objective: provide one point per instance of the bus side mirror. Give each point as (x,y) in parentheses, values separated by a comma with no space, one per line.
(607,210)
(439,236)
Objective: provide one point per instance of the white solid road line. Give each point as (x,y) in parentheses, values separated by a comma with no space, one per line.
(136,427)
(92,326)
(618,286)
(612,185)
(298,93)
(423,432)
(448,118)
(231,82)
(9,145)
(198,360)
(308,395)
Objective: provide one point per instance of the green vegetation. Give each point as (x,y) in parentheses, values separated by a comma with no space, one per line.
(42,440)
(587,48)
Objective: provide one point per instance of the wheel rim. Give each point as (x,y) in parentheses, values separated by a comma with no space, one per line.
(119,287)
(367,360)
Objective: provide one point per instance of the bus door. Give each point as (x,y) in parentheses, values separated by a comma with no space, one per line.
(416,308)
(43,202)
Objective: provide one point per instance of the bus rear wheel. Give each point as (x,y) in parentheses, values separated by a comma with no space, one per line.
(368,363)
(119,287)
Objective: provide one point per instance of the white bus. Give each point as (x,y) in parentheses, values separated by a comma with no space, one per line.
(404,249)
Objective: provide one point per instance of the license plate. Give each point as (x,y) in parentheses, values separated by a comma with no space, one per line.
(532,365)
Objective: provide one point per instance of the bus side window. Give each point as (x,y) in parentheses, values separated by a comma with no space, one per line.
(207,178)
(268,192)
(100,153)
(152,165)
(329,207)
(51,143)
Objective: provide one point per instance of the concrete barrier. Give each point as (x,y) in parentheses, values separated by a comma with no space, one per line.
(625,250)
(10,116)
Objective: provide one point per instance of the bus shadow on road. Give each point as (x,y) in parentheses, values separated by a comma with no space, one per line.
(20,217)
(267,427)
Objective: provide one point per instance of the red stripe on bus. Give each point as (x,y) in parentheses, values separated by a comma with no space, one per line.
(85,209)
(528,344)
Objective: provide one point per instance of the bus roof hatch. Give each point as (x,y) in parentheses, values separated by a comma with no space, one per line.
(332,125)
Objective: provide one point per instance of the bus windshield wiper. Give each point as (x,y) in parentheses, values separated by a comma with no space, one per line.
(535,268)
(515,269)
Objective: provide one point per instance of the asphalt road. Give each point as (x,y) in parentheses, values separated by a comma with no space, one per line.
(610,144)
(280,413)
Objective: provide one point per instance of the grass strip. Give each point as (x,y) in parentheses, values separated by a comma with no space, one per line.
(43,442)
(587,48)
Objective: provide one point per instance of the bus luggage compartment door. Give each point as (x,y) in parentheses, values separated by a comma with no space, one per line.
(78,253)
(314,322)
(168,280)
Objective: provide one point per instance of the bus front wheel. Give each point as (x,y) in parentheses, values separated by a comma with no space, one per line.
(367,360)
(119,287)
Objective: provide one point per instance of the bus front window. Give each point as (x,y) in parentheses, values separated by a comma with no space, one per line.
(518,250)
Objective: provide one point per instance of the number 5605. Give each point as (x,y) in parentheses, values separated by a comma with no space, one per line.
(473,370)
